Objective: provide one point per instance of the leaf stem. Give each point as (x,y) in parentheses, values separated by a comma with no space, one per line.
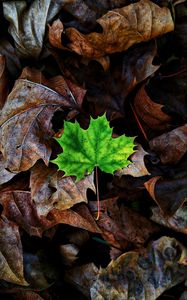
(97,193)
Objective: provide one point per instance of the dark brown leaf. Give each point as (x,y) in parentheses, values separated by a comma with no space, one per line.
(171,146)
(3,81)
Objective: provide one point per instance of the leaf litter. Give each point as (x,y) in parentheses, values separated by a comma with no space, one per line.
(100,88)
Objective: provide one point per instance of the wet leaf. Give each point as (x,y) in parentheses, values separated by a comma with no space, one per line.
(27,25)
(11,267)
(91,149)
(25,125)
(122,28)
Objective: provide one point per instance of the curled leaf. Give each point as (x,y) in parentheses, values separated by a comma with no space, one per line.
(122,28)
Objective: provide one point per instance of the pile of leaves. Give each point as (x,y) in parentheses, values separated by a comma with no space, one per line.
(100,89)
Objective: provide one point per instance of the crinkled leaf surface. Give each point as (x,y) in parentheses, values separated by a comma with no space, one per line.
(122,28)
(85,149)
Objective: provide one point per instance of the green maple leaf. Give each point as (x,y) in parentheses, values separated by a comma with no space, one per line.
(85,149)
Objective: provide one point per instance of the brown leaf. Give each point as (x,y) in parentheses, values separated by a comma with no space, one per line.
(137,168)
(25,126)
(27,25)
(171,146)
(12,61)
(11,267)
(3,81)
(122,28)
(20,294)
(150,112)
(142,276)
(122,225)
(62,86)
(43,181)
(169,194)
(177,222)
(55,32)
(5,174)
(69,253)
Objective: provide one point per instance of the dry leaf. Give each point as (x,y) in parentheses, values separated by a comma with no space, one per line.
(50,189)
(122,28)
(150,112)
(27,25)
(171,146)
(11,267)
(5,174)
(55,32)
(177,222)
(169,194)
(137,168)
(142,277)
(25,125)
(3,81)
(12,61)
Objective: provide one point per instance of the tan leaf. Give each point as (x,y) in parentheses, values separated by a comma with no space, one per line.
(142,276)
(3,81)
(27,25)
(122,28)
(44,181)
(171,146)
(177,222)
(55,32)
(150,112)
(137,168)
(11,266)
(25,124)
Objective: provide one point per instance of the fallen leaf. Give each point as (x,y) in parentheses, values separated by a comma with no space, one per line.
(27,24)
(137,168)
(142,276)
(5,174)
(177,222)
(169,194)
(3,81)
(25,125)
(55,32)
(69,254)
(171,146)
(50,189)
(121,224)
(122,28)
(150,112)
(11,268)
(20,294)
(12,61)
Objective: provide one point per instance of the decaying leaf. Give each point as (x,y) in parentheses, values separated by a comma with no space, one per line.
(11,266)
(121,224)
(171,146)
(122,28)
(169,194)
(142,276)
(25,125)
(67,192)
(137,168)
(5,174)
(55,32)
(177,222)
(12,61)
(3,81)
(150,112)
(27,25)
(85,149)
